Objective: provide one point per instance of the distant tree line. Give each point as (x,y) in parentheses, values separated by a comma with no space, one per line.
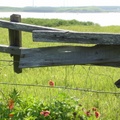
(84,9)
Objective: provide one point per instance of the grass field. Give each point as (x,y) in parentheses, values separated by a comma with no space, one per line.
(86,77)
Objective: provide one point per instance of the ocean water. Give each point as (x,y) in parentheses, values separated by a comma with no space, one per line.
(103,19)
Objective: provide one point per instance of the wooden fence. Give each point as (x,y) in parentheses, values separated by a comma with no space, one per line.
(105,49)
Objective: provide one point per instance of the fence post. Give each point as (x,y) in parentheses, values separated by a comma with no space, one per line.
(15,38)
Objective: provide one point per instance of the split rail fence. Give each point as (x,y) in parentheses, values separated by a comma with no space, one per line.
(104,52)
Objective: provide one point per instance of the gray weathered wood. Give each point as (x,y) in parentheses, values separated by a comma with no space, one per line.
(71,55)
(10,49)
(15,38)
(76,37)
(24,27)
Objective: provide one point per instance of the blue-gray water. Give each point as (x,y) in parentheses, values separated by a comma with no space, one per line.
(104,19)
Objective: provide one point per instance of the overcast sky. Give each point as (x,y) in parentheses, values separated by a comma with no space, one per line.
(23,3)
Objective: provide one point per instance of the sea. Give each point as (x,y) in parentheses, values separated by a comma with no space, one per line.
(103,19)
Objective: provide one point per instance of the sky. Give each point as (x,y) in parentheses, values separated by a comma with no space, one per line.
(59,3)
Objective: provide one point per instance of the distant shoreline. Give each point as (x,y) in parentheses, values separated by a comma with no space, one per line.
(84,9)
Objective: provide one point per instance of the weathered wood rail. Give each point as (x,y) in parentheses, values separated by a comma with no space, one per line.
(71,55)
(105,49)
(76,37)
(14,25)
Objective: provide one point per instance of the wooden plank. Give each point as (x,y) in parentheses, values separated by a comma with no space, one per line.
(15,38)
(76,37)
(70,55)
(24,27)
(10,49)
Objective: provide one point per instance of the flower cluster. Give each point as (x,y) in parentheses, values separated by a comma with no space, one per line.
(68,108)
(45,113)
(92,112)
(11,106)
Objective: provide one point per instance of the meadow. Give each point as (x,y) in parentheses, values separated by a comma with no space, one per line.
(35,81)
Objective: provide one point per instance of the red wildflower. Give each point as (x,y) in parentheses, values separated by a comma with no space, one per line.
(97,114)
(51,83)
(11,115)
(45,113)
(88,113)
(94,109)
(11,104)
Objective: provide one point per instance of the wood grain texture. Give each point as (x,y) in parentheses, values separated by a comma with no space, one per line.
(71,55)
(76,37)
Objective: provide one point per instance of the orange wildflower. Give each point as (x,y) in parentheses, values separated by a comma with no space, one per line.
(51,83)
(97,114)
(45,113)
(88,113)
(94,109)
(11,115)
(11,104)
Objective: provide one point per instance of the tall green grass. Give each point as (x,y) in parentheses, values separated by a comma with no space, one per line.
(82,28)
(79,76)
(56,22)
